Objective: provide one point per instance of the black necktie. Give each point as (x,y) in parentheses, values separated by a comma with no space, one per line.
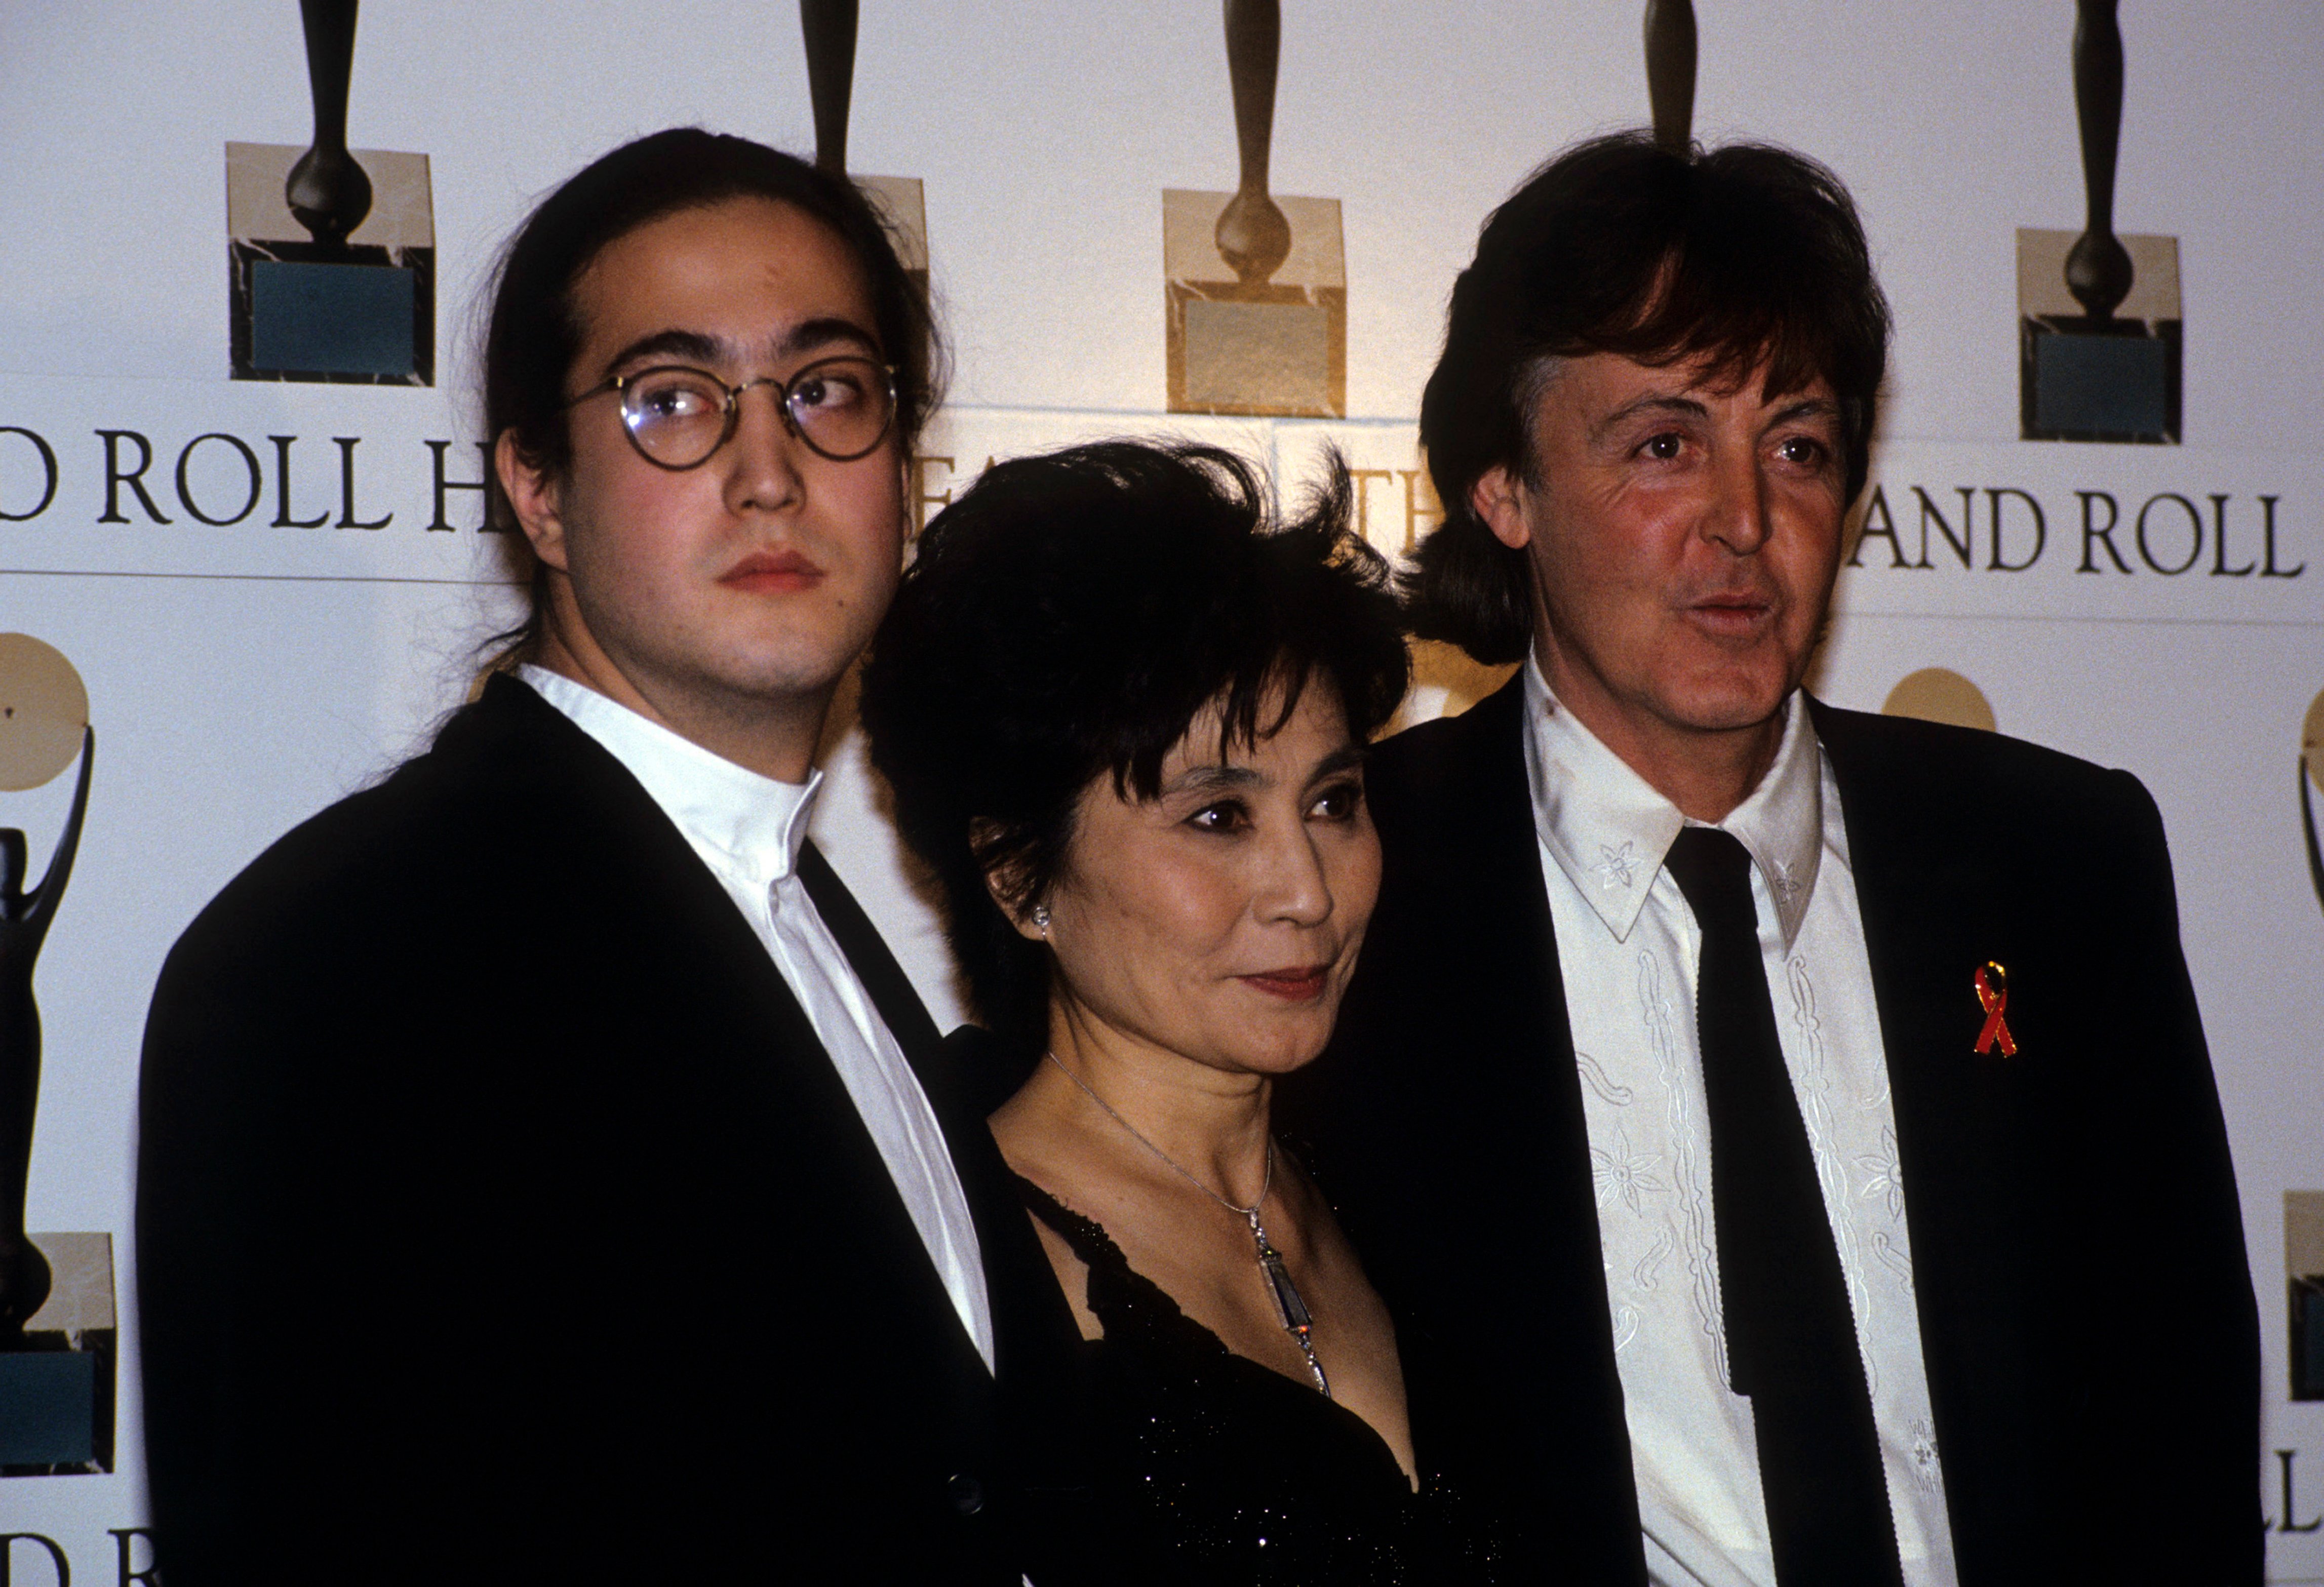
(1791,1340)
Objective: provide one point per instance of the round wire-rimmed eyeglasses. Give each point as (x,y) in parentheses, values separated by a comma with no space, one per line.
(677,416)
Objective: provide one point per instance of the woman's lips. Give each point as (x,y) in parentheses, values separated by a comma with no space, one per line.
(773,573)
(1297,984)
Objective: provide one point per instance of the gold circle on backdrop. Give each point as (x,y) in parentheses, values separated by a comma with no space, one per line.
(1936,694)
(2312,741)
(44,710)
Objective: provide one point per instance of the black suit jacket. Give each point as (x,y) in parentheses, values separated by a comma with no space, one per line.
(502,1219)
(2086,1307)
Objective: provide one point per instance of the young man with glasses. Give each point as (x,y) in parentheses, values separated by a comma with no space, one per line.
(546,1174)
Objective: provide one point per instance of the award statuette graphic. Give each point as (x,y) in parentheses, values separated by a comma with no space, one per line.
(56,1382)
(828,28)
(1255,283)
(331,249)
(2311,773)
(2099,317)
(2303,1210)
(2303,1267)
(1670,71)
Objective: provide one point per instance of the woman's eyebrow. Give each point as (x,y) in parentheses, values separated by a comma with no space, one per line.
(1338,763)
(1212,778)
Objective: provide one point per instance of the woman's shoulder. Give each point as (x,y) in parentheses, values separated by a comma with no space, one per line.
(1125,1307)
(1085,1237)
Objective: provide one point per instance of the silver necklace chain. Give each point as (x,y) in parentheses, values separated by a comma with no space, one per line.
(1248,1213)
(1289,1306)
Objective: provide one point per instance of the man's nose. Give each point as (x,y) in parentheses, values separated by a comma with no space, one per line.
(763,472)
(1737,515)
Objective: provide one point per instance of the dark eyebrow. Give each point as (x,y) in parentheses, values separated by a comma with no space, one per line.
(690,346)
(1212,778)
(1684,406)
(1219,778)
(1806,408)
(1337,763)
(811,335)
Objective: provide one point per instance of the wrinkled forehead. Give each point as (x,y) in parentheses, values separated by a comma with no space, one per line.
(1727,327)
(1722,370)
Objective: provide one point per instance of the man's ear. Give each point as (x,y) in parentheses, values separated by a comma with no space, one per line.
(1498,500)
(534,498)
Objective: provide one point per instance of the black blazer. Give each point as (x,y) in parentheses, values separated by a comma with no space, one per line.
(2086,1308)
(500,1219)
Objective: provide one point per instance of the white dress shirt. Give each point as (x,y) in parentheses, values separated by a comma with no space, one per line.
(748,830)
(1628,949)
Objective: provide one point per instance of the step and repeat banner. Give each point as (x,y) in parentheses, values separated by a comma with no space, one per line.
(244,570)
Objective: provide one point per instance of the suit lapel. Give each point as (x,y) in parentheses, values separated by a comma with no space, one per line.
(1491,1122)
(891,991)
(1032,1328)
(1547,1126)
(1500,915)
(1925,888)
(1036,1342)
(696,953)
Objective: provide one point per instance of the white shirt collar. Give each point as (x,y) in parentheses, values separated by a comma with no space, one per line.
(1609,829)
(749,826)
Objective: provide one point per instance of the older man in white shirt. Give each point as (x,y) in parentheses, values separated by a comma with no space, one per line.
(1784,1136)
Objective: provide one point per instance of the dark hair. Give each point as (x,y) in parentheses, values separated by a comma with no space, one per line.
(1749,254)
(1067,619)
(536,332)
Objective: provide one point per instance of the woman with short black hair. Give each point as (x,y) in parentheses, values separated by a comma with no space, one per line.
(1123,710)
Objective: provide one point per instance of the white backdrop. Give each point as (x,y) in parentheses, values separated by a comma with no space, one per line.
(244,675)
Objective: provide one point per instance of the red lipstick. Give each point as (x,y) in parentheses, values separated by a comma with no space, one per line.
(1298,983)
(765,573)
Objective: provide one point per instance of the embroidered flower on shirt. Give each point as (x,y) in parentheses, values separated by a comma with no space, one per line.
(1785,883)
(1884,1176)
(1615,868)
(1623,1172)
(1924,1452)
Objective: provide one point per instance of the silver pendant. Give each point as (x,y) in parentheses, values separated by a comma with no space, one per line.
(1296,1321)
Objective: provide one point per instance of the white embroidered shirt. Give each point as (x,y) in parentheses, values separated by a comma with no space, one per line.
(748,830)
(1629,950)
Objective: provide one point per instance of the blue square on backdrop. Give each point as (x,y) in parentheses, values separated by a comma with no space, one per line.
(2102,385)
(2308,1337)
(331,319)
(48,1407)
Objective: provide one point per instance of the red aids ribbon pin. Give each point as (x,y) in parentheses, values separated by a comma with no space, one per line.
(1993,992)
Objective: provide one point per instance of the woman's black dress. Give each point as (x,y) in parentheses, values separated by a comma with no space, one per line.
(1206,1467)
